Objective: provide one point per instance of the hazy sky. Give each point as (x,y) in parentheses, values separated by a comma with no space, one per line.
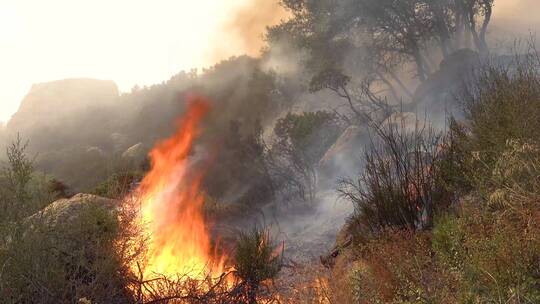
(128,41)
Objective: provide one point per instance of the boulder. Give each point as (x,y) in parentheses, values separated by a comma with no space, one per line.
(345,142)
(453,70)
(119,141)
(402,121)
(95,152)
(136,153)
(68,210)
(49,104)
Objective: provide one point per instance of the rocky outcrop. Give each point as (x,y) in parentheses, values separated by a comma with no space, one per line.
(453,70)
(345,142)
(68,124)
(49,104)
(402,121)
(67,211)
(136,153)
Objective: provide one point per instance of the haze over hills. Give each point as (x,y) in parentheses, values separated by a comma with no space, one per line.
(77,127)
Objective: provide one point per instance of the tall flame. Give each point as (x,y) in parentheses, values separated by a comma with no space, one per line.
(171,206)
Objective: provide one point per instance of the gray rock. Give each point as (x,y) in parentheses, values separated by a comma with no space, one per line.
(68,210)
(135,153)
(119,141)
(345,142)
(404,121)
(452,72)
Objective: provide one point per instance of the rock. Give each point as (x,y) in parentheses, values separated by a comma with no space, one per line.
(95,152)
(343,144)
(452,71)
(68,210)
(136,153)
(343,156)
(119,141)
(50,104)
(402,121)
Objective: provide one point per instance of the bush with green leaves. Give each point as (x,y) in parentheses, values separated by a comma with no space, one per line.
(493,255)
(118,185)
(22,190)
(59,252)
(502,103)
(492,243)
(256,260)
(301,140)
(59,257)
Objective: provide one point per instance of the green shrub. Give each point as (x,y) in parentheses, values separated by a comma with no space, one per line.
(502,251)
(60,262)
(301,140)
(256,260)
(118,185)
(21,189)
(447,242)
(491,243)
(502,103)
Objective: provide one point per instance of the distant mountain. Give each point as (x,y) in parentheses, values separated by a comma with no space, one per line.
(51,112)
(80,128)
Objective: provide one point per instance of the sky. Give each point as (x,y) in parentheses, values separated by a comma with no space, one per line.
(129,41)
(136,41)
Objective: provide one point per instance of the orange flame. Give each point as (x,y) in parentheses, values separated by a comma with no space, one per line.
(171,206)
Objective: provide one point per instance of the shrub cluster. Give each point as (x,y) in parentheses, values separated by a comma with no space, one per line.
(483,246)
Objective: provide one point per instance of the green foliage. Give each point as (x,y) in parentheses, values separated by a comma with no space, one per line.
(492,254)
(502,104)
(22,191)
(447,241)
(301,141)
(256,259)
(309,134)
(118,185)
(485,247)
(60,261)
(239,173)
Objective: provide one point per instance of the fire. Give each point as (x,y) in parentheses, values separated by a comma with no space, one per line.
(171,206)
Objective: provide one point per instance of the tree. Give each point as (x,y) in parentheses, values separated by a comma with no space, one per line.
(19,183)
(372,39)
(239,172)
(301,141)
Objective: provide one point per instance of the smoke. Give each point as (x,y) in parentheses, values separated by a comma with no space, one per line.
(63,136)
(244,31)
(517,15)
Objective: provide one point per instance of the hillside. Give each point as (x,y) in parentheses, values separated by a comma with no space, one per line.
(377,151)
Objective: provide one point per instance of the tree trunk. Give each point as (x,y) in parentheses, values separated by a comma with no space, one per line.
(420,65)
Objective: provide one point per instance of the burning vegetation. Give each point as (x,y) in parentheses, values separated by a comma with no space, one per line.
(172,206)
(182,264)
(242,200)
